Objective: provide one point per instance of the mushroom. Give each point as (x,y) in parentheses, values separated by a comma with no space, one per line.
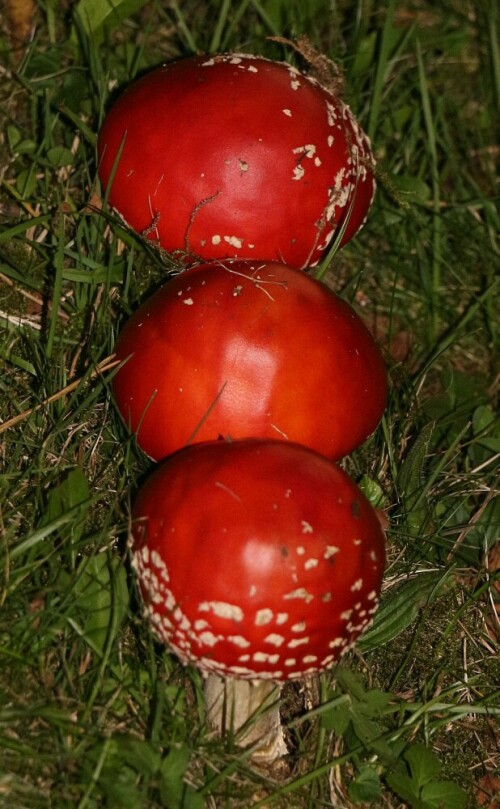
(258,562)
(236,156)
(248,350)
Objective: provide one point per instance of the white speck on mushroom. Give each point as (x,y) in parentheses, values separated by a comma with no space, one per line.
(234,241)
(298,173)
(188,301)
(358,585)
(157,560)
(310,564)
(299,627)
(235,60)
(252,69)
(288,113)
(372,595)
(357,542)
(309,150)
(317,161)
(326,241)
(292,644)
(216,239)
(290,661)
(373,556)
(209,63)
(200,624)
(331,114)
(288,493)
(239,640)
(243,165)
(208,638)
(337,642)
(263,617)
(326,597)
(252,591)
(330,551)
(281,618)
(262,657)
(300,592)
(330,139)
(346,615)
(274,639)
(309,659)
(239,671)
(306,527)
(300,550)
(222,609)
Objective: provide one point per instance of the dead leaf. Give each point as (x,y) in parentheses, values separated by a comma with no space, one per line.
(488,791)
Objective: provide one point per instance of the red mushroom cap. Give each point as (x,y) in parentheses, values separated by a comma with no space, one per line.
(256,559)
(248,350)
(236,156)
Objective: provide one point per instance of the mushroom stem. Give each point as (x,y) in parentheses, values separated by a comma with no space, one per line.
(249,709)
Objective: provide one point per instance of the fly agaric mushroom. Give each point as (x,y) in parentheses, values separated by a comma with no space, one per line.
(236,156)
(248,350)
(257,561)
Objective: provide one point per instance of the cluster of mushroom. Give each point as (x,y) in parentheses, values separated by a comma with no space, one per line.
(258,558)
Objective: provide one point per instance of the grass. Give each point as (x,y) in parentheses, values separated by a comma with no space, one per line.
(92,712)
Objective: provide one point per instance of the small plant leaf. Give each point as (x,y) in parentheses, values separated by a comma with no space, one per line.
(102,593)
(71,494)
(412,190)
(400,608)
(411,481)
(338,715)
(366,786)
(414,780)
(423,764)
(59,156)
(404,787)
(175,793)
(443,795)
(372,491)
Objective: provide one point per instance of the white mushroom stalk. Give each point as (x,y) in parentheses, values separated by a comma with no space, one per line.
(248,710)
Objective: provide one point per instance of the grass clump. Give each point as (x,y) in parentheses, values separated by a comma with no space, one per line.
(92,712)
